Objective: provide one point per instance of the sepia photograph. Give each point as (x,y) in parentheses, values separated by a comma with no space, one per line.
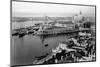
(52,33)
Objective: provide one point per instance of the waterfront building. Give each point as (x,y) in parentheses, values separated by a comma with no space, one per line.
(78,18)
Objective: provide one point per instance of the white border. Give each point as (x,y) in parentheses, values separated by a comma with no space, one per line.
(5,33)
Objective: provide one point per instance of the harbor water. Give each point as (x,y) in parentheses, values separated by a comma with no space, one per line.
(25,49)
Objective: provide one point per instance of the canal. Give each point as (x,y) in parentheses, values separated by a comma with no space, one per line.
(25,49)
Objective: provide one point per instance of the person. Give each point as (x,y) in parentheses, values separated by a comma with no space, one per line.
(58,57)
(70,44)
(69,57)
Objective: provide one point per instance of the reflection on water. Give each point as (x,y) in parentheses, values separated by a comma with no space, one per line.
(26,48)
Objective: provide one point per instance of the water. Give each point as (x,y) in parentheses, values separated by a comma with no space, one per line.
(26,48)
(23,50)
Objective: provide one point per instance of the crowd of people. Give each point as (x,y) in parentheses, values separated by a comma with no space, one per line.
(74,49)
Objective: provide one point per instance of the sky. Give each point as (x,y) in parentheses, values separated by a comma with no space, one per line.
(27,9)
